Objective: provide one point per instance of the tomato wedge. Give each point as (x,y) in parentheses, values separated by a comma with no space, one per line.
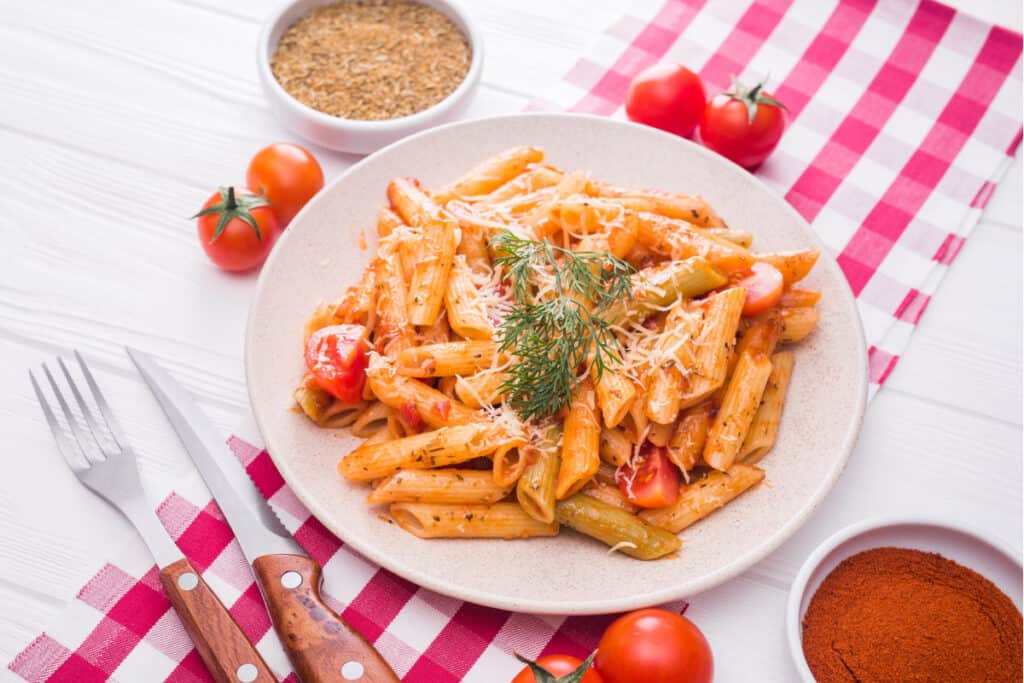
(654,482)
(764,288)
(337,357)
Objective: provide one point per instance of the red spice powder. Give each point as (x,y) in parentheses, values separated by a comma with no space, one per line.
(895,615)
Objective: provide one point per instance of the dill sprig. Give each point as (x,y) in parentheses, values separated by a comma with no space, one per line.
(561,335)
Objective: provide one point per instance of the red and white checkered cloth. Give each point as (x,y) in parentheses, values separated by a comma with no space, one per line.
(903,117)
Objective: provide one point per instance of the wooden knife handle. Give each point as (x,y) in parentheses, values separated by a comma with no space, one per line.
(322,647)
(227,652)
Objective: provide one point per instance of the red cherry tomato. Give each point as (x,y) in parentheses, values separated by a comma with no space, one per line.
(666,96)
(288,175)
(236,229)
(743,125)
(764,288)
(655,481)
(337,357)
(654,646)
(558,665)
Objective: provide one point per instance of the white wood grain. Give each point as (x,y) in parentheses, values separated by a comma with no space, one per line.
(967,350)
(119,118)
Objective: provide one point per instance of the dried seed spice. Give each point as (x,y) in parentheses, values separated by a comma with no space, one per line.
(372,60)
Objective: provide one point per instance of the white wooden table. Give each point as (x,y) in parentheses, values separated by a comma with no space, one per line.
(118,119)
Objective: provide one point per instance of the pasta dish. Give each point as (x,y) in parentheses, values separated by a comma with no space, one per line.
(532,348)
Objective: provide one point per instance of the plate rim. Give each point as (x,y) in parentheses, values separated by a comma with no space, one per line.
(597,606)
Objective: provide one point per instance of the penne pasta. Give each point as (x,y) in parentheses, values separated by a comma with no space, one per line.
(615,527)
(703,496)
(536,488)
(741,400)
(615,448)
(430,272)
(795,297)
(580,443)
(661,434)
(394,331)
(794,265)
(797,323)
(692,209)
(686,446)
(535,177)
(438,448)
(610,494)
(678,240)
(406,394)
(500,520)
(467,315)
(721,318)
(509,462)
(387,221)
(448,359)
(448,486)
(615,395)
(738,237)
(491,174)
(313,400)
(765,425)
(480,389)
(660,286)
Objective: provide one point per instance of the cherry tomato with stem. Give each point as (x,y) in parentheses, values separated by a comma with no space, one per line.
(336,357)
(651,482)
(666,96)
(288,175)
(236,228)
(743,124)
(558,669)
(654,646)
(764,288)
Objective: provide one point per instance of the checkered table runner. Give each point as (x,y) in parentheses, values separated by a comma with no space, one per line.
(902,118)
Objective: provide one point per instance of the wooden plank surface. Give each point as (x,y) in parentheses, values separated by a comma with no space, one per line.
(118,118)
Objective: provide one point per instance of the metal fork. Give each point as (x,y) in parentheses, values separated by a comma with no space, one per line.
(104,461)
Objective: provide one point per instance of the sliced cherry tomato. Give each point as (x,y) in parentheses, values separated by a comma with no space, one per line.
(236,229)
(558,666)
(654,646)
(764,288)
(666,96)
(410,415)
(654,482)
(288,175)
(337,357)
(743,125)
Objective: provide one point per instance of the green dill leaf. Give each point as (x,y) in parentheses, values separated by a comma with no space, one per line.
(557,338)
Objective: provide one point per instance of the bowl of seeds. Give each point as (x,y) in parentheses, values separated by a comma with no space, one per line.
(355,75)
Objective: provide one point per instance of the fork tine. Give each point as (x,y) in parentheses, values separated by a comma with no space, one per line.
(66,447)
(80,435)
(108,416)
(90,420)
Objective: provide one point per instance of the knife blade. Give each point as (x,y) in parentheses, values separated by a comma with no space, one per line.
(322,647)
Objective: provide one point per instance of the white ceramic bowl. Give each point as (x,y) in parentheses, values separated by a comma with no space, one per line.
(349,135)
(950,539)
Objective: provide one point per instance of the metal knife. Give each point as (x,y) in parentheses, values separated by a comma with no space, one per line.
(322,647)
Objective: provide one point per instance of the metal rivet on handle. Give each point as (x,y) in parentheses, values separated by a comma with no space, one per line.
(247,673)
(352,671)
(188,581)
(291,580)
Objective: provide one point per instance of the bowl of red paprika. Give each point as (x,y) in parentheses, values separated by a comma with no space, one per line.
(908,598)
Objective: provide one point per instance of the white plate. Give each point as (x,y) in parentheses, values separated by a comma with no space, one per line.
(949,538)
(319,256)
